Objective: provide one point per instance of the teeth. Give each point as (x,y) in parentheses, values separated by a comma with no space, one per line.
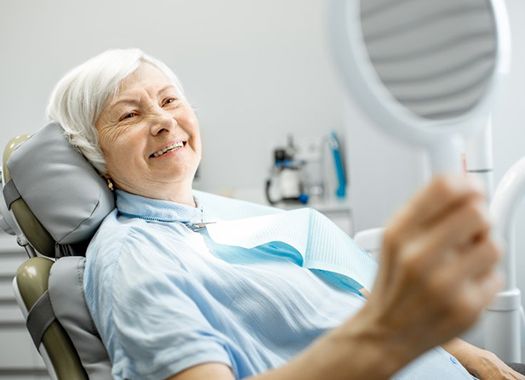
(177,145)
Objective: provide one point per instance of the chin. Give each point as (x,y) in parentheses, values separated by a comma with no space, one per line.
(177,176)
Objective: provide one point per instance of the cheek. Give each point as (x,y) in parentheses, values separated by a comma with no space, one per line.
(194,129)
(121,150)
(110,136)
(113,158)
(188,119)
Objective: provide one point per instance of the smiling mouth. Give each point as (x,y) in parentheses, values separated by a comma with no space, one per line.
(169,148)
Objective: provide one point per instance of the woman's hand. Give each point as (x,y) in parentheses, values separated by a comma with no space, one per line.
(481,363)
(437,270)
(486,365)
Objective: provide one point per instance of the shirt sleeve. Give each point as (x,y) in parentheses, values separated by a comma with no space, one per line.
(161,315)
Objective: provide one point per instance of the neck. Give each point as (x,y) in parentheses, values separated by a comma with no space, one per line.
(185,199)
(180,193)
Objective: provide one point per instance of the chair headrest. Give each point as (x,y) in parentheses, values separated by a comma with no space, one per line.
(66,195)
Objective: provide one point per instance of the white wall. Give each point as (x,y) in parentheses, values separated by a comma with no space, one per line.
(255,70)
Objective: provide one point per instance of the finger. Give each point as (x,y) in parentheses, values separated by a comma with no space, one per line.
(467,300)
(480,258)
(462,227)
(442,194)
(515,375)
(482,291)
(449,243)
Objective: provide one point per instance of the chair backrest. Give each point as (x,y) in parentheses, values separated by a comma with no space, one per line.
(370,241)
(54,345)
(58,201)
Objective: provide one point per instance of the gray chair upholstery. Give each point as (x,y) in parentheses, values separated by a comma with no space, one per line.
(67,298)
(58,201)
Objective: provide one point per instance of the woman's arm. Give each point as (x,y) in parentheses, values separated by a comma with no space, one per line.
(479,362)
(359,352)
(436,275)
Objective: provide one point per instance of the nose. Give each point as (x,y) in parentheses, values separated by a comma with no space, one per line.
(162,121)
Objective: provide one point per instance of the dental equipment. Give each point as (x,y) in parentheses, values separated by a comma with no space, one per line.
(428,72)
(505,320)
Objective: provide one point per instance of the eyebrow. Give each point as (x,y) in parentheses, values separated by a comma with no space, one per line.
(135,101)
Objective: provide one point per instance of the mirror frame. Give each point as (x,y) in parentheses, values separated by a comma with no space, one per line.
(365,86)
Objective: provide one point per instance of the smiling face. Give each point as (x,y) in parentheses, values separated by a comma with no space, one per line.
(150,137)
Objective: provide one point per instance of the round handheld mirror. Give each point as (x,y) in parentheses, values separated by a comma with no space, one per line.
(424,70)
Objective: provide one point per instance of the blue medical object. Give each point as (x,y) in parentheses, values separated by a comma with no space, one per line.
(335,146)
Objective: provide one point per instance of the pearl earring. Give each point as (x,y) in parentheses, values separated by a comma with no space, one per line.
(110,184)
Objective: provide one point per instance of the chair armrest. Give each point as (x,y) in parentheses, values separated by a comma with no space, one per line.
(370,240)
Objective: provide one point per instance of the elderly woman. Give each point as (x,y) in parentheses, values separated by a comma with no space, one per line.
(167,305)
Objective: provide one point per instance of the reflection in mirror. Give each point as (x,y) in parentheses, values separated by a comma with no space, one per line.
(436,58)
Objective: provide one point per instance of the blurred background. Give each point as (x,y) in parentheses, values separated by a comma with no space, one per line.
(257,72)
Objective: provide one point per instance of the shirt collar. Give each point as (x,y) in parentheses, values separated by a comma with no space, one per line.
(157,209)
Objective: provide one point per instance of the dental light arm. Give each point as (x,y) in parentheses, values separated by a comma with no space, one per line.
(504,318)
(508,196)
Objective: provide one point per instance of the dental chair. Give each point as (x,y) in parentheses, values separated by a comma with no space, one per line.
(54,203)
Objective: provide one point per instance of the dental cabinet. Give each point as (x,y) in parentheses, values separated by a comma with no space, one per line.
(338,211)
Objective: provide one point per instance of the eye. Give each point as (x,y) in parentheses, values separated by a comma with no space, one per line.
(167,101)
(127,115)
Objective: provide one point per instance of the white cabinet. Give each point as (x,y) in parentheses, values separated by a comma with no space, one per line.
(19,360)
(338,211)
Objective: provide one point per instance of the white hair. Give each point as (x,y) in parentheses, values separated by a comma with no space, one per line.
(79,97)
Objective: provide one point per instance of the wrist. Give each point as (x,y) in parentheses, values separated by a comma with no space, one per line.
(477,361)
(372,345)
(466,353)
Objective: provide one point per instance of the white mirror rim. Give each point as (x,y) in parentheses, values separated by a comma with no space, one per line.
(361,80)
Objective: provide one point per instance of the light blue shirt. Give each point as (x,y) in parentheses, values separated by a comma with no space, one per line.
(165,297)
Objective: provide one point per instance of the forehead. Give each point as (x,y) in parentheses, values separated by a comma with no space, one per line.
(146,76)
